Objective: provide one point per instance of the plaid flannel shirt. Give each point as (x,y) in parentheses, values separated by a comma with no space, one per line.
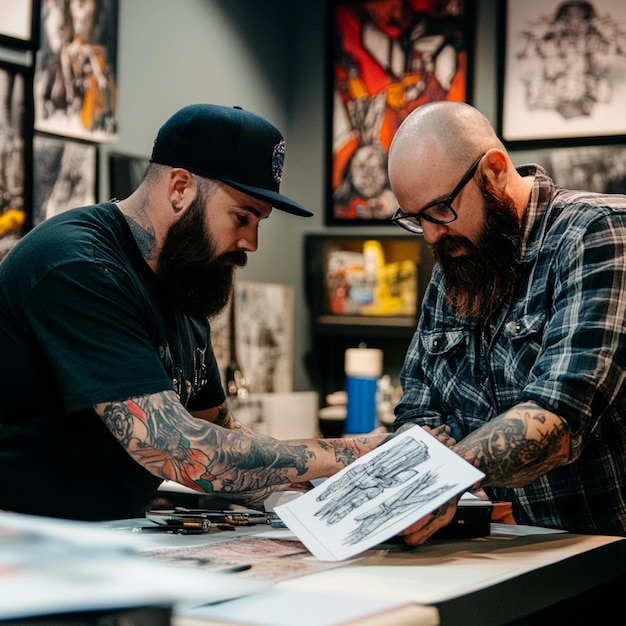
(560,342)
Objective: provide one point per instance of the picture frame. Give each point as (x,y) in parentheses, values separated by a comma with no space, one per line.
(259,336)
(126,171)
(562,73)
(19,27)
(16,123)
(65,175)
(597,168)
(76,81)
(384,59)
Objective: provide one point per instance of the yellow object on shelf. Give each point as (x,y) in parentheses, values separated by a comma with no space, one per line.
(373,262)
(394,285)
(372,277)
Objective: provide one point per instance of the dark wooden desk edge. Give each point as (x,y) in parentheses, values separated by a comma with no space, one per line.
(524,595)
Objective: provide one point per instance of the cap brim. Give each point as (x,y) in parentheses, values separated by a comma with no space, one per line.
(278,201)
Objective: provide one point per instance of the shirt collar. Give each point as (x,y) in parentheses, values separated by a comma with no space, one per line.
(537,212)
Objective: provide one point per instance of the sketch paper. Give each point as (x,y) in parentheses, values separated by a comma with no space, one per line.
(267,558)
(378,495)
(286,607)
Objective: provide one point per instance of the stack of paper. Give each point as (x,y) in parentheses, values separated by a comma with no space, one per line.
(50,566)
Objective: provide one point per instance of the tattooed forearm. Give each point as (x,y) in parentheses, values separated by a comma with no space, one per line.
(345,456)
(224,417)
(212,454)
(346,450)
(518,446)
(162,436)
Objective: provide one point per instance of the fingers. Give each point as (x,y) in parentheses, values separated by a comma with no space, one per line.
(418,533)
(442,433)
(480,493)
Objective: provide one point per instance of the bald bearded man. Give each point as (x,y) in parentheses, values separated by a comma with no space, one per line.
(520,350)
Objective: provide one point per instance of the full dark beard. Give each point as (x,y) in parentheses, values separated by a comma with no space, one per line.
(484,277)
(197,283)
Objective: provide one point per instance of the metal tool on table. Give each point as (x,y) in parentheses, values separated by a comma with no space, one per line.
(202,520)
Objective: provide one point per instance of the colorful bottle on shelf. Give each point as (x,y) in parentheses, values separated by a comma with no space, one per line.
(363,367)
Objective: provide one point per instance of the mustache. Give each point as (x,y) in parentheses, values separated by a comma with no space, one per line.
(449,244)
(239,258)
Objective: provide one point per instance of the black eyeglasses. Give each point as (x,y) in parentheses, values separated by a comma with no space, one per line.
(438,211)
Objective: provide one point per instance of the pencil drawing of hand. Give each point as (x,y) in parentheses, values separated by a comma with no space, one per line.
(365,481)
(410,498)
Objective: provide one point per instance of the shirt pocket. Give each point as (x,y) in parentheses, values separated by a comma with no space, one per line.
(524,338)
(446,357)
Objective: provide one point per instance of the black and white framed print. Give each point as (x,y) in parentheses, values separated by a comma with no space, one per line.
(563,71)
(65,175)
(16,119)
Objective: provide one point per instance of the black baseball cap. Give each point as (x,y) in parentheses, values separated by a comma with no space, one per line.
(229,144)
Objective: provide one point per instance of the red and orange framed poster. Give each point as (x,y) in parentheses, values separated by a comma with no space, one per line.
(385,58)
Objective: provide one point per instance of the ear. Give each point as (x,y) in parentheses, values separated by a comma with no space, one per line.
(495,167)
(181,189)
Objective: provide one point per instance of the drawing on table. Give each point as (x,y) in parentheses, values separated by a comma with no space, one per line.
(260,558)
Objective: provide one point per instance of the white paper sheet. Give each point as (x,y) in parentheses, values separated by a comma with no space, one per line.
(378,495)
(52,566)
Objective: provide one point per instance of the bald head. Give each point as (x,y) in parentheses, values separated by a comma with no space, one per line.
(435,145)
(455,131)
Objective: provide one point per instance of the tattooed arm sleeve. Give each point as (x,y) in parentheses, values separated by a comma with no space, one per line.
(222,416)
(518,446)
(168,441)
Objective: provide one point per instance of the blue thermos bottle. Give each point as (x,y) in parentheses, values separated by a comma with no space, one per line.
(363,368)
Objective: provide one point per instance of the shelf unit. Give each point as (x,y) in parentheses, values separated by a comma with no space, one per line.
(332,333)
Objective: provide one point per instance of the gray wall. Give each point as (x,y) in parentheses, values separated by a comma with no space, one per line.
(264,55)
(267,56)
(251,53)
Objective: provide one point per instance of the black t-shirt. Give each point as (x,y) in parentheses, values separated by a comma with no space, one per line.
(83,321)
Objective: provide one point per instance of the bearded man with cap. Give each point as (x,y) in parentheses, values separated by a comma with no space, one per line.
(110,384)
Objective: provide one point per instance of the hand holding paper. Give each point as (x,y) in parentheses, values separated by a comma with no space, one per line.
(377,496)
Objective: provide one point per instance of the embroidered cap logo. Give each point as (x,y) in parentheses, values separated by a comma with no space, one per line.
(278,161)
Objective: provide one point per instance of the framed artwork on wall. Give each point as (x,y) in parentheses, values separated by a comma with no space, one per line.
(562,75)
(16,121)
(65,175)
(261,335)
(385,58)
(600,169)
(19,27)
(76,69)
(126,171)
